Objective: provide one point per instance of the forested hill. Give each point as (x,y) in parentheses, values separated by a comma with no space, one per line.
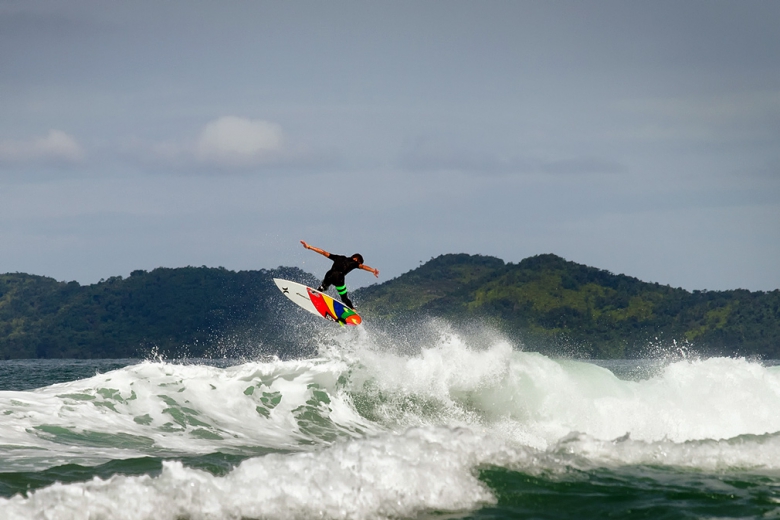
(545,302)
(549,303)
(185,311)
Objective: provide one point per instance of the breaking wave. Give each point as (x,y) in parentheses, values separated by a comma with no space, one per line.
(363,431)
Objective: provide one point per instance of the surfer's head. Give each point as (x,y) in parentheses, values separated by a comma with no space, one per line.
(357,257)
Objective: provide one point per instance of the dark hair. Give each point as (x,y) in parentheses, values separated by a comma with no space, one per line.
(359,257)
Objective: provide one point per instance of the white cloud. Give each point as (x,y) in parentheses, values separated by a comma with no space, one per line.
(226,145)
(236,142)
(55,147)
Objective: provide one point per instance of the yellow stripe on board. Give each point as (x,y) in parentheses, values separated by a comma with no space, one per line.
(329,301)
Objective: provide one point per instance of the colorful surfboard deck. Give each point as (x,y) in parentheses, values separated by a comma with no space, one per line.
(318,303)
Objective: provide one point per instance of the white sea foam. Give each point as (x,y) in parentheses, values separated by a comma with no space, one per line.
(690,410)
(159,408)
(535,400)
(746,452)
(388,476)
(385,476)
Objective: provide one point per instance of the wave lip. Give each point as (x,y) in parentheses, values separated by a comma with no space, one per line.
(536,400)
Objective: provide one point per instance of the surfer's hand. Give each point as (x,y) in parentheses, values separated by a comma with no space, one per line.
(305,245)
(376,273)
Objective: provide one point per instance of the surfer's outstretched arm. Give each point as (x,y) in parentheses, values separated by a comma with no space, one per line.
(316,249)
(375,272)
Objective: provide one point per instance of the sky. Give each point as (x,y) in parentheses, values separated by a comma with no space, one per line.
(638,137)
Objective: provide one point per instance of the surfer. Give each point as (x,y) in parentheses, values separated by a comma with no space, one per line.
(342,265)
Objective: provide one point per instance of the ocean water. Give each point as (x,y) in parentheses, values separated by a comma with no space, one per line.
(446,427)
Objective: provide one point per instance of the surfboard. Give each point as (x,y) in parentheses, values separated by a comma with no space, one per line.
(318,303)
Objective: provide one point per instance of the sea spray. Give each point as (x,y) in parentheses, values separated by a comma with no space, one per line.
(536,400)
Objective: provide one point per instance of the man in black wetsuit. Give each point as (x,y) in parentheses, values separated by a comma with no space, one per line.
(341,266)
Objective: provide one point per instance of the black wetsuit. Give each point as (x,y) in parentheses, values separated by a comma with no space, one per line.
(342,265)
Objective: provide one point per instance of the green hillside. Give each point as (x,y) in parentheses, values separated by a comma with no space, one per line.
(549,303)
(186,311)
(544,302)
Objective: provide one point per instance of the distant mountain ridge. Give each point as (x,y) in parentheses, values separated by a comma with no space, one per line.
(545,302)
(193,311)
